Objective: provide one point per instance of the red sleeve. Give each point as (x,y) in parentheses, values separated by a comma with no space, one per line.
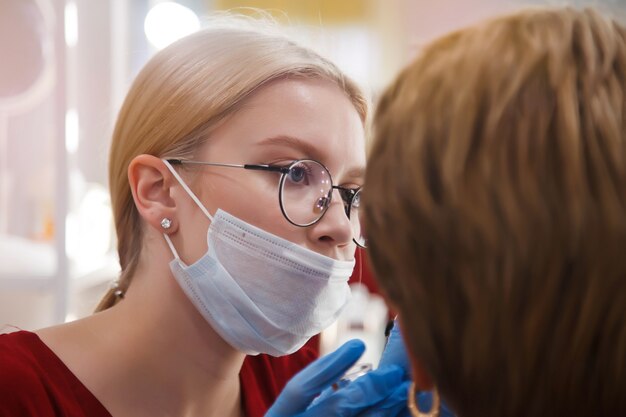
(263,377)
(21,391)
(34,382)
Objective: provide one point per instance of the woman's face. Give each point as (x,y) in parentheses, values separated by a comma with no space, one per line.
(282,122)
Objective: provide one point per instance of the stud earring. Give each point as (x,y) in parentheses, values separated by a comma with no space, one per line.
(166,223)
(118,292)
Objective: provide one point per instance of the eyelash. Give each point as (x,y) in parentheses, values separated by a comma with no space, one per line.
(285,162)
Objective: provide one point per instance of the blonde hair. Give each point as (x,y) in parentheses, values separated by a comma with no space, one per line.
(496,213)
(184,91)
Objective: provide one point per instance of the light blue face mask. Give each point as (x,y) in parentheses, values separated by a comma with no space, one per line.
(261,293)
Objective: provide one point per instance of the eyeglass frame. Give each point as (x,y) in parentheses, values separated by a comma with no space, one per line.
(347,194)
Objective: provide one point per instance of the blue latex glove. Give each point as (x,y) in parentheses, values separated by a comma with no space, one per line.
(395,354)
(365,393)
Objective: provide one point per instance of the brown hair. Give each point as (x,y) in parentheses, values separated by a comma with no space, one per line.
(183,93)
(496,213)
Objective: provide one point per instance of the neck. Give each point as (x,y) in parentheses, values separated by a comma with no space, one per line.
(186,358)
(153,354)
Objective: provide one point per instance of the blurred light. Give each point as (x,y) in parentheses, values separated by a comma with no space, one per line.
(71,131)
(169,21)
(88,229)
(71,24)
(329,338)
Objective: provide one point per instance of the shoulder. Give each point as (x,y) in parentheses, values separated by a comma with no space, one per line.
(22,388)
(18,360)
(35,382)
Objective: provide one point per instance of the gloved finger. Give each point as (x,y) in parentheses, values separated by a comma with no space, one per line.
(308,383)
(325,394)
(360,394)
(395,405)
(352,374)
(395,351)
(328,369)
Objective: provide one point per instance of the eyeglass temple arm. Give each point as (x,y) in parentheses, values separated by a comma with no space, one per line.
(217,164)
(273,168)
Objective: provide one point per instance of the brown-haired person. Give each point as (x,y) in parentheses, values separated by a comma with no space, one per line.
(496,214)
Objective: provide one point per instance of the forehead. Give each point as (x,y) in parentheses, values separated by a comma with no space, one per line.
(293,119)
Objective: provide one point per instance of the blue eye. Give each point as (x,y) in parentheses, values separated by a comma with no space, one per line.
(297,174)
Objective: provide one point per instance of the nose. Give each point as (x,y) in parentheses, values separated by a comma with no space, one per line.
(334,228)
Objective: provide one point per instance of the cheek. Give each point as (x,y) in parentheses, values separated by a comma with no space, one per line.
(252,197)
(191,244)
(261,208)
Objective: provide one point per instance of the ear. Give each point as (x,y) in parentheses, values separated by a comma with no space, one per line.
(151,184)
(422,379)
(420,376)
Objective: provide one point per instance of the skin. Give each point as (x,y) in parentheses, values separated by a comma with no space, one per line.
(153,354)
(422,379)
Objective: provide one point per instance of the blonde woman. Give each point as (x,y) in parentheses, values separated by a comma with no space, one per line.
(499,163)
(235,174)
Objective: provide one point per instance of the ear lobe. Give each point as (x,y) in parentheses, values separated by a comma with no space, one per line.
(421,377)
(150,183)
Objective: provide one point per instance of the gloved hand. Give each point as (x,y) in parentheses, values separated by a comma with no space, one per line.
(395,354)
(366,394)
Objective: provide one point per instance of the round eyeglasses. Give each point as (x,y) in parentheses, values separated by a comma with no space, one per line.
(305,191)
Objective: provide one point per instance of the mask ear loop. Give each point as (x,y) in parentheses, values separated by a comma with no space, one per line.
(171,245)
(359,252)
(187,189)
(193,197)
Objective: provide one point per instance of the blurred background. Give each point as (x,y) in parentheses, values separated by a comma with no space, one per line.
(65,66)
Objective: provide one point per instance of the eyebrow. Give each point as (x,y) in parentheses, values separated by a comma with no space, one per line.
(356,173)
(293,142)
(309,150)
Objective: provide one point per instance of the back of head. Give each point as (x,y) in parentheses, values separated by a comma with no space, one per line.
(185,91)
(496,212)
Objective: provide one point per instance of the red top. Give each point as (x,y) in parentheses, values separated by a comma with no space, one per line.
(35,382)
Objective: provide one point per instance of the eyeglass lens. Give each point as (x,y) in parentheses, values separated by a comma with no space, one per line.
(305,194)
